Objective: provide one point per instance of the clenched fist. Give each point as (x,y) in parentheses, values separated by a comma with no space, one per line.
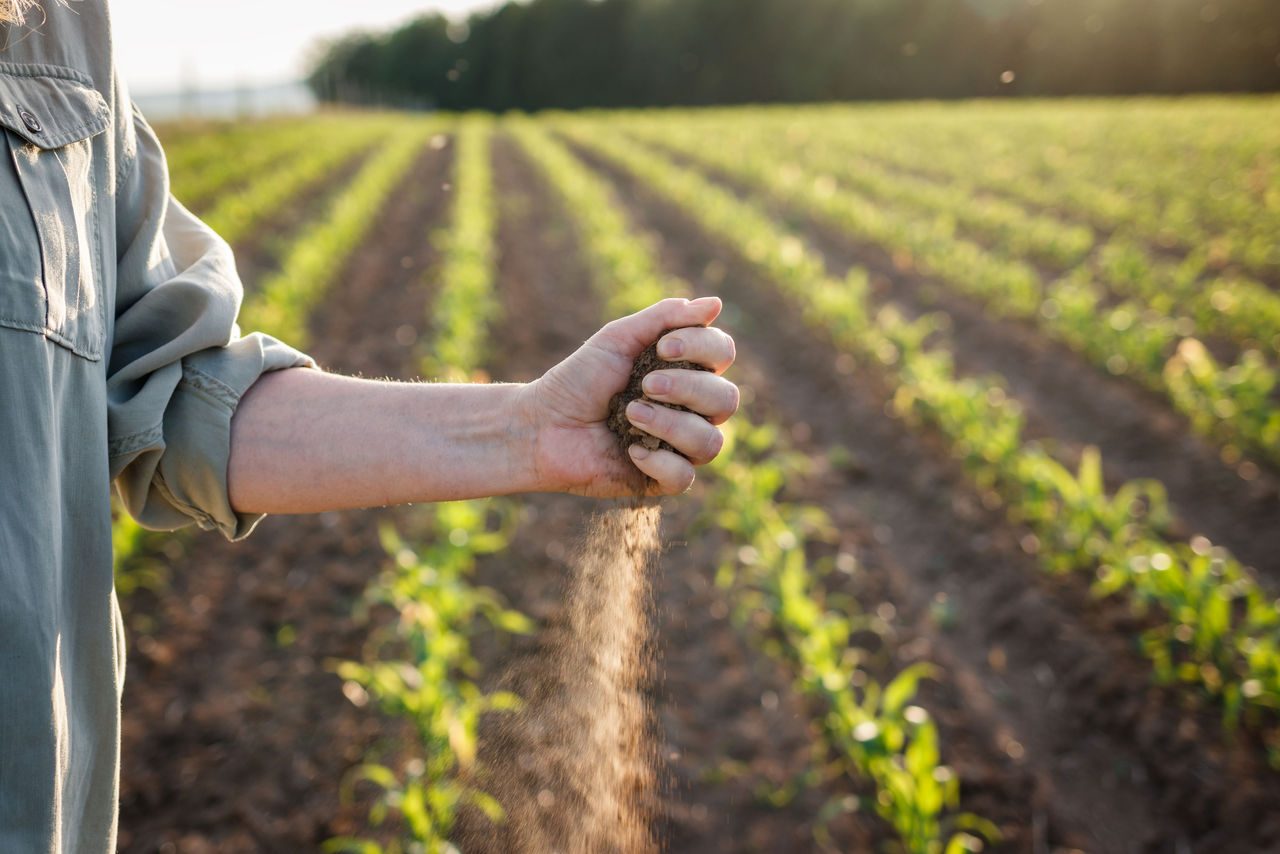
(567,409)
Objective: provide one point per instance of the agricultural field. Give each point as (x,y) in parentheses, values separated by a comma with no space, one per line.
(991,561)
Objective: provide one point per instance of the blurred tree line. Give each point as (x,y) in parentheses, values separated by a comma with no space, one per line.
(612,53)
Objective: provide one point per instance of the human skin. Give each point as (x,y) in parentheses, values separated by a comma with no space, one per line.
(306,441)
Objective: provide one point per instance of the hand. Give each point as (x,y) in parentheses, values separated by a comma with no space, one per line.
(574,450)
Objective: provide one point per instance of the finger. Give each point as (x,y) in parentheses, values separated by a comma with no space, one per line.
(672,473)
(706,394)
(712,348)
(628,336)
(687,432)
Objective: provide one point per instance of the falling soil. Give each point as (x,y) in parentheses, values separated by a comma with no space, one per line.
(719,745)
(575,768)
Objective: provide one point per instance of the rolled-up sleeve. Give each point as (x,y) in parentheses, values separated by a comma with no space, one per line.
(178,365)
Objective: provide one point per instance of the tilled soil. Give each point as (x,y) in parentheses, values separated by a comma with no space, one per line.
(730,730)
(1173,252)
(259,253)
(236,733)
(1071,403)
(237,736)
(1047,674)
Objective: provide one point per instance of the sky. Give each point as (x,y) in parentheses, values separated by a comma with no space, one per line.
(166,45)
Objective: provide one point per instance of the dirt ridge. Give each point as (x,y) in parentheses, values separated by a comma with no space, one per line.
(1168,253)
(720,748)
(1072,403)
(1125,767)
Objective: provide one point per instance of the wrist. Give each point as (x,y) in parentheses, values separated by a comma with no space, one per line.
(527,473)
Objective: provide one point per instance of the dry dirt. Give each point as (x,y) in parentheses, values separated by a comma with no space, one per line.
(1048,674)
(237,735)
(648,362)
(1071,403)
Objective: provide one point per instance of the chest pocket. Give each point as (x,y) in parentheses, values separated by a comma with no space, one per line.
(49,260)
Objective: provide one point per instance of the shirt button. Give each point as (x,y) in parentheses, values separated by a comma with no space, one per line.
(32,123)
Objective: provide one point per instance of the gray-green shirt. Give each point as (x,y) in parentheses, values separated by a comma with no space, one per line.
(119,359)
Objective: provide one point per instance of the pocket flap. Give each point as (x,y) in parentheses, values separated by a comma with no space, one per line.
(49,105)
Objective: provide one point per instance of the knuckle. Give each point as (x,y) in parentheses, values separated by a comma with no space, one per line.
(735,399)
(611,329)
(731,347)
(678,480)
(712,444)
(662,420)
(679,389)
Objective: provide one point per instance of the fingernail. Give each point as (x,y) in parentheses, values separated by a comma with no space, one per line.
(670,348)
(639,411)
(703,300)
(639,452)
(657,383)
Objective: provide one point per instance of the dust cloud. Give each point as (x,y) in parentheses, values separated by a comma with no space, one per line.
(574,768)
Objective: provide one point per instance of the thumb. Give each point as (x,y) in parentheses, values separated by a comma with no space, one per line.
(628,336)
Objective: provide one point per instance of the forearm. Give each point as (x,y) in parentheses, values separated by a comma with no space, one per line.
(304,441)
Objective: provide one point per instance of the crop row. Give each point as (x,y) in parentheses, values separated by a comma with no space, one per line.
(421,668)
(466,305)
(189,148)
(874,729)
(1233,404)
(825,162)
(317,252)
(313,261)
(1215,628)
(197,185)
(1179,179)
(1235,307)
(238,214)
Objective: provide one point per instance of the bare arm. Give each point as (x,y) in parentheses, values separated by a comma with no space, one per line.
(304,441)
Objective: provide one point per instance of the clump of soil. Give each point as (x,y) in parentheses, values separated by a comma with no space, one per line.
(647,362)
